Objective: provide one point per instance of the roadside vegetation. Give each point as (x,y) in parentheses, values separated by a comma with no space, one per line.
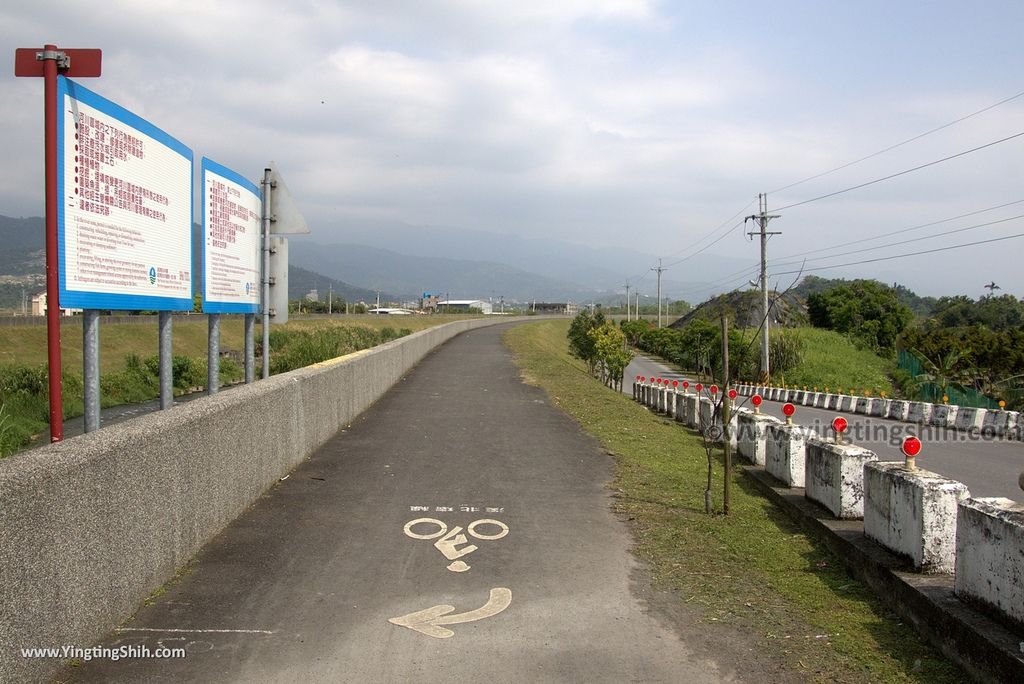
(754,570)
(130,365)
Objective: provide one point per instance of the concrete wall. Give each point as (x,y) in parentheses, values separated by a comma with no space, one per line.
(914,513)
(834,477)
(970,419)
(990,555)
(943,415)
(752,435)
(919,412)
(92,525)
(785,452)
(898,410)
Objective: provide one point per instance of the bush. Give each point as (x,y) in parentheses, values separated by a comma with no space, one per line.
(863,309)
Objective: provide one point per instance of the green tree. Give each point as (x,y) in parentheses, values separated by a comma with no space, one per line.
(611,353)
(581,344)
(865,310)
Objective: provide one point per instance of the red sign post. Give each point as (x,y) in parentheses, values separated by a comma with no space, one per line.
(47,62)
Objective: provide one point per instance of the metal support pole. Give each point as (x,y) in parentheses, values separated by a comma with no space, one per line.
(52,282)
(726,415)
(267,184)
(166,369)
(213,354)
(761,219)
(765,367)
(250,347)
(91,368)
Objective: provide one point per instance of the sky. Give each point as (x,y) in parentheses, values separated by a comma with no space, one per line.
(614,123)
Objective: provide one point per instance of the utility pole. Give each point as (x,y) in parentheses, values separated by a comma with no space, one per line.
(627,301)
(330,299)
(726,416)
(761,219)
(659,269)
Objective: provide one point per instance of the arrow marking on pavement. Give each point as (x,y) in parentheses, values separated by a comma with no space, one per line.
(429,621)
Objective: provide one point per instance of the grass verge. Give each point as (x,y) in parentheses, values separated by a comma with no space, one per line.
(129,365)
(755,569)
(832,360)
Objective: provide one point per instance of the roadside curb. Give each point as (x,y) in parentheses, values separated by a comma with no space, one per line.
(979,644)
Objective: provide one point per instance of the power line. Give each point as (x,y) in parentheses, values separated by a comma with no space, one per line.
(917,239)
(899,144)
(901,173)
(902,230)
(707,246)
(900,256)
(712,232)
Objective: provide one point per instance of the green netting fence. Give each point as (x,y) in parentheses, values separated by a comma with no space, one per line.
(929,391)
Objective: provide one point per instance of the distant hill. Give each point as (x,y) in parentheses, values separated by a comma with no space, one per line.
(744,310)
(921,306)
(24,246)
(409,276)
(598,270)
(301,281)
(23,267)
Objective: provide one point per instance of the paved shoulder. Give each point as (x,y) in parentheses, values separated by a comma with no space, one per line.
(459,530)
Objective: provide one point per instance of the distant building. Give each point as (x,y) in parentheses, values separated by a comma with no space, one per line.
(429,302)
(39,306)
(555,308)
(312,296)
(457,305)
(390,311)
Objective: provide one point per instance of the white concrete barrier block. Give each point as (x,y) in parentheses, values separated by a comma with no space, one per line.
(820,399)
(690,417)
(919,412)
(970,419)
(834,476)
(785,452)
(898,410)
(831,402)
(913,513)
(706,413)
(943,415)
(846,403)
(997,423)
(880,407)
(863,405)
(752,435)
(990,555)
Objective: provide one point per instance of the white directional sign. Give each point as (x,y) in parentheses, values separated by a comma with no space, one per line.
(430,620)
(124,216)
(231,241)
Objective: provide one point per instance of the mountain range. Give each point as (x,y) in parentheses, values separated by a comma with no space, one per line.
(404,261)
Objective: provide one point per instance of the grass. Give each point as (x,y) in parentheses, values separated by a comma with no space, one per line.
(832,360)
(27,344)
(129,365)
(754,569)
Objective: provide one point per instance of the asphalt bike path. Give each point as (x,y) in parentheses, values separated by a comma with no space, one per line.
(460,530)
(988,466)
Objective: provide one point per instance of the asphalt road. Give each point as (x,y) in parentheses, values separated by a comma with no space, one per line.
(521,573)
(989,467)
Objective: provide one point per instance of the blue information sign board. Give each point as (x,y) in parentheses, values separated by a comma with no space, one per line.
(124,217)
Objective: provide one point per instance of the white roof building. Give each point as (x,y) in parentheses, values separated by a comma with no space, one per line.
(465,305)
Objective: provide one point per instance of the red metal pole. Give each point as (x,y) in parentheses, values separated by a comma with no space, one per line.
(52,284)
